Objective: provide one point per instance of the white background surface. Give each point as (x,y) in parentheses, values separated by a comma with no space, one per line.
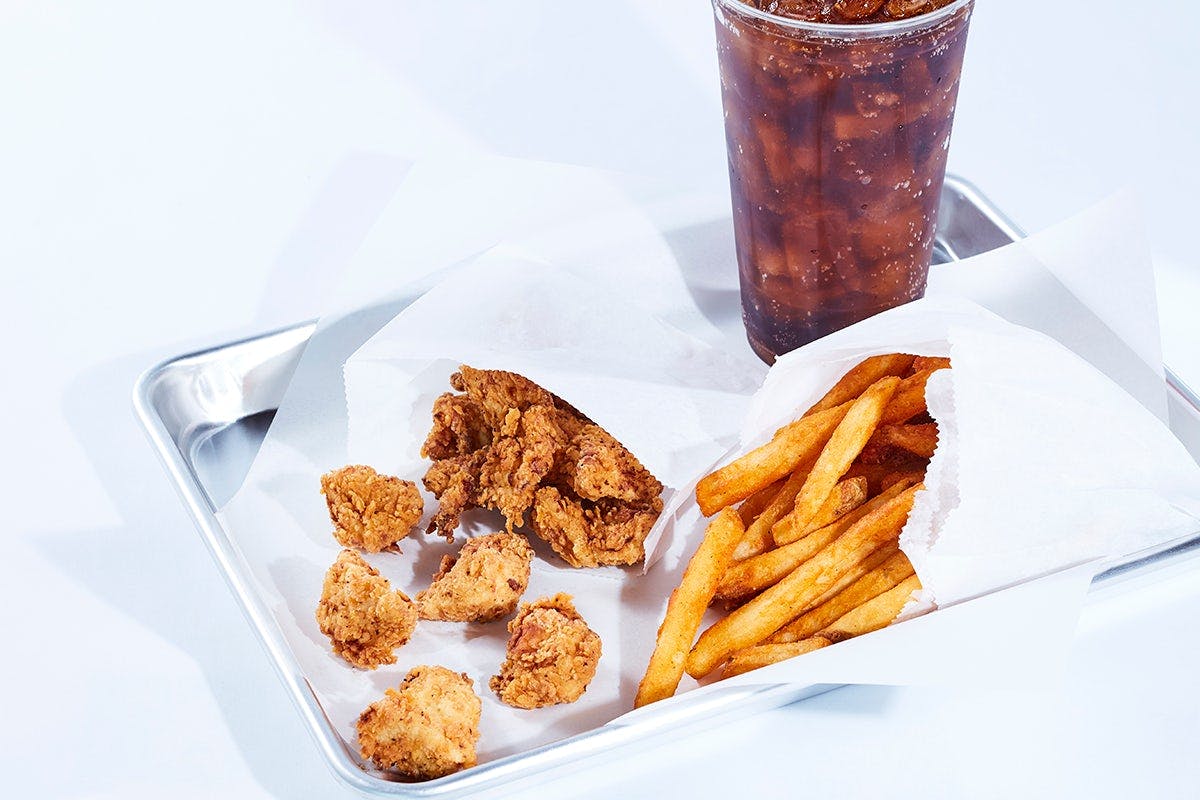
(175,175)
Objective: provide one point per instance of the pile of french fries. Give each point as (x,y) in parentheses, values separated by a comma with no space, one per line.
(804,545)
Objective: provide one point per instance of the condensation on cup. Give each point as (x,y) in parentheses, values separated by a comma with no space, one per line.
(837,121)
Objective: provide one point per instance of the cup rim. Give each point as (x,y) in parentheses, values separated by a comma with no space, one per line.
(847,29)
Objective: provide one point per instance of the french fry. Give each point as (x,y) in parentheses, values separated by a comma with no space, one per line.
(786,535)
(686,607)
(845,443)
(746,578)
(903,477)
(755,503)
(846,496)
(920,440)
(795,593)
(894,569)
(858,379)
(758,534)
(909,399)
(931,363)
(791,446)
(766,654)
(876,613)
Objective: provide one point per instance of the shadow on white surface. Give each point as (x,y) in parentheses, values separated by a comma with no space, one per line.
(161,577)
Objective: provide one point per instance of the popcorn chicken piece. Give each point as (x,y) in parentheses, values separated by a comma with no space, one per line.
(425,728)
(370,510)
(484,583)
(552,655)
(360,613)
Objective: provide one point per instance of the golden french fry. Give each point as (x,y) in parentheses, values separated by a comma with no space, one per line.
(755,503)
(792,596)
(902,477)
(920,440)
(858,379)
(931,363)
(909,399)
(787,534)
(792,445)
(758,571)
(883,576)
(764,655)
(744,579)
(846,496)
(686,607)
(845,443)
(758,535)
(874,614)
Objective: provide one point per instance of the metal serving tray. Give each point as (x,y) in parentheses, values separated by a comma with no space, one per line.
(206,414)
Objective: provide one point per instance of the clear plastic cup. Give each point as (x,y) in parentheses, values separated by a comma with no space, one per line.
(837,137)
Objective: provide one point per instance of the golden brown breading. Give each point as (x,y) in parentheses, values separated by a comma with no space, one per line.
(455,483)
(497,391)
(519,460)
(459,428)
(370,510)
(597,466)
(484,583)
(593,534)
(552,655)
(606,501)
(425,728)
(363,618)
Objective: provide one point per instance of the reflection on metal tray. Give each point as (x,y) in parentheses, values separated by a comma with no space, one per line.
(207,413)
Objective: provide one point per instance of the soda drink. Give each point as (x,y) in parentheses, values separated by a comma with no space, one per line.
(837,122)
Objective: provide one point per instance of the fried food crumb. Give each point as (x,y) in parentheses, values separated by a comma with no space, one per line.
(426,727)
(369,510)
(551,658)
(360,613)
(484,583)
(505,441)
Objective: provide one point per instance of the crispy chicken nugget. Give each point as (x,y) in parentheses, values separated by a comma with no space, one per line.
(484,583)
(425,728)
(360,613)
(552,655)
(370,510)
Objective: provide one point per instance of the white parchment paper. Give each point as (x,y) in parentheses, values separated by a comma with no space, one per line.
(554,301)
(560,273)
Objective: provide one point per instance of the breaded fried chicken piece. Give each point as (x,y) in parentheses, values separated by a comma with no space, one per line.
(455,483)
(497,391)
(597,466)
(593,534)
(370,510)
(360,613)
(552,655)
(484,583)
(459,428)
(425,728)
(605,500)
(519,459)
